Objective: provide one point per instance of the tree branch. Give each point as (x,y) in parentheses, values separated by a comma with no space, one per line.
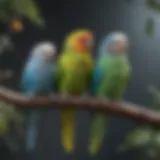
(121,109)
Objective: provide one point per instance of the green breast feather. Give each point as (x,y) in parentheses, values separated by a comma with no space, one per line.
(116,72)
(74,71)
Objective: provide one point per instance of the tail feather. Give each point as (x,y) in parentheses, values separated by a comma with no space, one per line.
(97,132)
(68,130)
(32,131)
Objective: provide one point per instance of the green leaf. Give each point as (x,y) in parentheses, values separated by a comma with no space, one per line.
(4,17)
(153,90)
(5,43)
(157,140)
(150,27)
(154,5)
(4,11)
(151,153)
(155,95)
(28,9)
(139,137)
(10,112)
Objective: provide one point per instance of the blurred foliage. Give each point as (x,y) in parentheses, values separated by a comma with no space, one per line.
(150,24)
(145,139)
(149,27)
(11,126)
(12,13)
(154,4)
(5,43)
(10,9)
(155,97)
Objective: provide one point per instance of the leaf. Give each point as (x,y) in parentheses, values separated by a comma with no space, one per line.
(4,17)
(151,153)
(154,4)
(157,139)
(137,138)
(155,94)
(5,43)
(149,27)
(153,90)
(12,135)
(4,11)
(28,9)
(9,111)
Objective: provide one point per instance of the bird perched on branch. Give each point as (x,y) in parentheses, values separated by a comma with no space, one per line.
(74,68)
(37,80)
(110,79)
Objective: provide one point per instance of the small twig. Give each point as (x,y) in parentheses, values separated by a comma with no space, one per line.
(121,109)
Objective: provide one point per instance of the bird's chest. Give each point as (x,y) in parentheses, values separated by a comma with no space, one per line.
(115,76)
(117,69)
(75,75)
(79,68)
(42,77)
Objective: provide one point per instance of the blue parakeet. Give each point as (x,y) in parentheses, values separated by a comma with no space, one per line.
(110,79)
(37,79)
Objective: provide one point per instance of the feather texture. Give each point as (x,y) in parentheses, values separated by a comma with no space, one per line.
(36,80)
(73,74)
(110,79)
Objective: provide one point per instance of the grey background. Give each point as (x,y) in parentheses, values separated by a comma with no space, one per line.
(102,16)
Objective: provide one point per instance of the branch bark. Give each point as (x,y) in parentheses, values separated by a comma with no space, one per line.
(121,109)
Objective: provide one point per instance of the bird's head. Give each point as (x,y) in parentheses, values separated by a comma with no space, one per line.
(80,41)
(115,43)
(45,51)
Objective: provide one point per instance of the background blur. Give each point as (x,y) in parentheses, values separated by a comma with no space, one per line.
(101,16)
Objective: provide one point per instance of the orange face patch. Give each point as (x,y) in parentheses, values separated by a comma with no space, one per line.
(82,42)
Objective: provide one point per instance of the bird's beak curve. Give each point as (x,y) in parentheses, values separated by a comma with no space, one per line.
(89,44)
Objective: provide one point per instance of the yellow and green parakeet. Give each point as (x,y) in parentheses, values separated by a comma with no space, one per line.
(74,68)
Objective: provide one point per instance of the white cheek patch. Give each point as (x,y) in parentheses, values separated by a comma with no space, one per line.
(120,37)
(44,49)
(50,50)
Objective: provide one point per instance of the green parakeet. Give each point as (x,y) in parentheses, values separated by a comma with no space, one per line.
(73,73)
(110,78)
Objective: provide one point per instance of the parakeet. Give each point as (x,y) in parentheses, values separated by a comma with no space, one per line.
(110,78)
(37,79)
(74,68)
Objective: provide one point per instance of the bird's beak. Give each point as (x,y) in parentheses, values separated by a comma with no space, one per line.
(88,44)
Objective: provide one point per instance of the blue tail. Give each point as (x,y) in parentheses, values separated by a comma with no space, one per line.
(32,130)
